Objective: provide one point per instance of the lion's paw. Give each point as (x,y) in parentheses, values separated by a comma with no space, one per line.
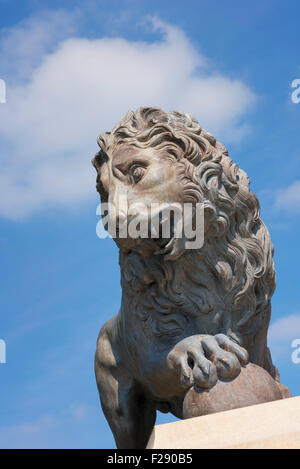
(200,360)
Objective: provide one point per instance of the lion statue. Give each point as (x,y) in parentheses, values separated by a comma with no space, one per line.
(188,317)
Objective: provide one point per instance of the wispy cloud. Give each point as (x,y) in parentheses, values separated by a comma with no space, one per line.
(23,47)
(62,91)
(31,434)
(78,410)
(288,199)
(285,328)
(45,431)
(281,334)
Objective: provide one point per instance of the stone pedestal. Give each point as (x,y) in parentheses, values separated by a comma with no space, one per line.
(270,425)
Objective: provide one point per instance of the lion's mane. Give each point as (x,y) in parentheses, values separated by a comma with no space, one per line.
(228,283)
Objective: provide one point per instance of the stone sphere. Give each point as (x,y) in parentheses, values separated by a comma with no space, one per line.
(253,385)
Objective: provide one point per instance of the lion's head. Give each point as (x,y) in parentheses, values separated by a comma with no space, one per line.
(158,156)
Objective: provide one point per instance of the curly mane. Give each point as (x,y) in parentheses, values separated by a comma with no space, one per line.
(228,283)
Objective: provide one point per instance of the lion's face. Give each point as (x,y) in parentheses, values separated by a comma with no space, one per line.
(155,157)
(134,180)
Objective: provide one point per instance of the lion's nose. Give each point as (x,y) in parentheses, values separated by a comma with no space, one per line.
(118,195)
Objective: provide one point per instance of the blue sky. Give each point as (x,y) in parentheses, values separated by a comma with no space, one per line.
(71,71)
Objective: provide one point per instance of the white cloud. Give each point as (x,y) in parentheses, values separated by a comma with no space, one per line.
(45,431)
(32,434)
(288,199)
(70,89)
(23,47)
(281,334)
(286,328)
(78,410)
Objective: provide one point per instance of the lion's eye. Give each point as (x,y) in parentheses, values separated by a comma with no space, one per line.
(137,172)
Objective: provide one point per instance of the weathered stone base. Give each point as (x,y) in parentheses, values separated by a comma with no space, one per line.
(268,426)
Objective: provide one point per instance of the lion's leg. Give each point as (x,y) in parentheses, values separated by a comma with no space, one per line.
(130,414)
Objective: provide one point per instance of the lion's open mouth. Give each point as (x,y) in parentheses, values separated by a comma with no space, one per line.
(163,241)
(172,246)
(171,249)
